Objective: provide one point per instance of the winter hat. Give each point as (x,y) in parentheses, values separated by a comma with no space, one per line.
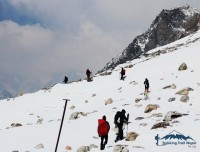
(123,111)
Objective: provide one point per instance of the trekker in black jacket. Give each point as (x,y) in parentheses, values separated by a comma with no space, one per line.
(65,79)
(146,85)
(119,120)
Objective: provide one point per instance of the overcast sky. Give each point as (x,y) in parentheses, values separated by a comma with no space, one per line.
(42,38)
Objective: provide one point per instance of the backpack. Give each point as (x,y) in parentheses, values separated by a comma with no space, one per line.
(103,127)
(123,71)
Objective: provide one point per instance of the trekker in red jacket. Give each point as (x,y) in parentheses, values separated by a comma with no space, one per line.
(122,73)
(103,129)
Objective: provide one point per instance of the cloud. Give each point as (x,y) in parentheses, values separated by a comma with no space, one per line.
(32,50)
(22,47)
(41,39)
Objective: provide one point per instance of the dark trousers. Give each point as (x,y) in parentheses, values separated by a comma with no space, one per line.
(88,78)
(122,77)
(120,135)
(103,143)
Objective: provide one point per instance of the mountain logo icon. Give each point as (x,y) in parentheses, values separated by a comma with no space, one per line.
(174,138)
(176,135)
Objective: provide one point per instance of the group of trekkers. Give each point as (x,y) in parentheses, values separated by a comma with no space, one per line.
(103,127)
(88,74)
(120,118)
(122,77)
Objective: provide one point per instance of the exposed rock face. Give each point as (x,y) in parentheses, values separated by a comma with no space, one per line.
(172,115)
(106,73)
(72,107)
(160,125)
(109,101)
(84,149)
(150,107)
(184,98)
(156,115)
(182,67)
(93,146)
(39,146)
(121,148)
(39,121)
(169,26)
(76,115)
(171,99)
(16,125)
(131,136)
(173,86)
(137,100)
(139,118)
(184,91)
(68,148)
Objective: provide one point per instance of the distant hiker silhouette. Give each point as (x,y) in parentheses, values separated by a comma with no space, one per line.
(88,73)
(122,74)
(103,129)
(157,138)
(65,79)
(119,120)
(146,85)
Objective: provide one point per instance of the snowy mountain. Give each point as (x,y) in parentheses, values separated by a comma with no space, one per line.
(168,26)
(31,122)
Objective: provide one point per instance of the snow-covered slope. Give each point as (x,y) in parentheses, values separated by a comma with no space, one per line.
(40,113)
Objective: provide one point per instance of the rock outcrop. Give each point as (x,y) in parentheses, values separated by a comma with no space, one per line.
(84,149)
(168,26)
(131,136)
(184,98)
(160,125)
(151,107)
(16,125)
(183,91)
(76,115)
(39,146)
(172,115)
(182,67)
(121,148)
(109,101)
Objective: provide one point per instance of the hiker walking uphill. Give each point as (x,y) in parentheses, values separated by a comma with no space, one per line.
(65,79)
(122,74)
(88,73)
(119,121)
(103,129)
(146,85)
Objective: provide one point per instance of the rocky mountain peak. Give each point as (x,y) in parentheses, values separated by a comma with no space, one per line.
(168,26)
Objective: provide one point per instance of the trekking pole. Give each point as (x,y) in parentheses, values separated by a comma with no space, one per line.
(127,123)
(61,123)
(127,129)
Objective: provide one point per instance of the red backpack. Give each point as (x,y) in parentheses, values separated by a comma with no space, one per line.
(103,127)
